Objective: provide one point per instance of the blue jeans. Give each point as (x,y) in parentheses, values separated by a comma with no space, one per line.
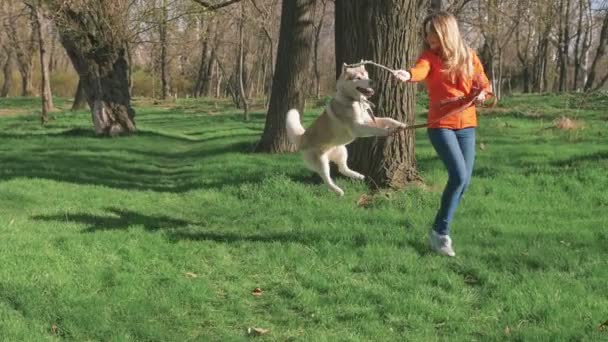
(456,148)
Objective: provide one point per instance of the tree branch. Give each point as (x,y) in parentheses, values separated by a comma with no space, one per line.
(213,7)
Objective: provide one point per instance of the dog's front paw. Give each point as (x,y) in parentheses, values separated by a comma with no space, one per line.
(359,176)
(338,192)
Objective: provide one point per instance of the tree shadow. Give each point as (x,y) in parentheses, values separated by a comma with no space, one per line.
(117,219)
(114,219)
(180,167)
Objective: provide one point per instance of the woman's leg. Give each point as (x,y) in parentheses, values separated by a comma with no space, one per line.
(466,140)
(447,144)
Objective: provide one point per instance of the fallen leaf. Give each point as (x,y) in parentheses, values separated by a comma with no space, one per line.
(54,329)
(191,275)
(257,291)
(257,331)
(364,200)
(482,146)
(603,326)
(12,221)
(507,331)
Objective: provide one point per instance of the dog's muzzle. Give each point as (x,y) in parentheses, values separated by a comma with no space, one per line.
(367,92)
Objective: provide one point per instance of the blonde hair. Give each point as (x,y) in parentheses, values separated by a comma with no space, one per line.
(456,55)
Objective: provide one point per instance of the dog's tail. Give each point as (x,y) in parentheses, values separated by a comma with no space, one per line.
(294,127)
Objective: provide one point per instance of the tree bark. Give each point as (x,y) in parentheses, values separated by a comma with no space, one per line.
(435,6)
(241,76)
(96,47)
(46,95)
(164,72)
(7,70)
(24,60)
(291,72)
(601,51)
(80,98)
(317,42)
(374,30)
(563,44)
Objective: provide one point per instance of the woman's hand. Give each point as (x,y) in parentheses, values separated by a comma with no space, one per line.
(479,100)
(402,75)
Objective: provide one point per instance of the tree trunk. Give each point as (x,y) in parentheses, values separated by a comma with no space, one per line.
(45,83)
(563,40)
(96,48)
(208,72)
(80,98)
(577,46)
(164,72)
(318,29)
(241,75)
(372,30)
(291,72)
(601,50)
(435,6)
(7,70)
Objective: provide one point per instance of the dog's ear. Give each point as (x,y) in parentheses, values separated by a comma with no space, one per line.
(344,66)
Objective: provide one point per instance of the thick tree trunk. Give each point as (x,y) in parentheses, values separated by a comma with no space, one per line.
(373,30)
(80,98)
(291,72)
(100,60)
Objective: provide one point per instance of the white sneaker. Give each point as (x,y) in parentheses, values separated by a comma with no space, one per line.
(442,244)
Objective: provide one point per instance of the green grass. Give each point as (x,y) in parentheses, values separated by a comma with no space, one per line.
(100,239)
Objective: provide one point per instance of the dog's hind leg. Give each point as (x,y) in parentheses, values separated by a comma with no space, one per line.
(339,155)
(320,164)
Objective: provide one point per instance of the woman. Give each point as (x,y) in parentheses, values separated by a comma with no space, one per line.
(450,70)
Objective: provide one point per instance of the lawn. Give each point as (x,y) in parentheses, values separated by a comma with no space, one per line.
(164,236)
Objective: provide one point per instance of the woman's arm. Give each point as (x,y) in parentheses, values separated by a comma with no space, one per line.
(418,72)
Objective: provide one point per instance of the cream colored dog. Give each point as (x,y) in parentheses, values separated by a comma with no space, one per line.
(346,117)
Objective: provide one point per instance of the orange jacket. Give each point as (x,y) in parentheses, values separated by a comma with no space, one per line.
(429,68)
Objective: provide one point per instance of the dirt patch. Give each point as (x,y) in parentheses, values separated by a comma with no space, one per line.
(10,112)
(566,124)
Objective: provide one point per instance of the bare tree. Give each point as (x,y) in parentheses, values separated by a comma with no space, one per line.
(7,71)
(318,27)
(582,44)
(563,42)
(267,23)
(370,30)
(241,66)
(601,51)
(40,24)
(163,26)
(21,37)
(293,64)
(94,35)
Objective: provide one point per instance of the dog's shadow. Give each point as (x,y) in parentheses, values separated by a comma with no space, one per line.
(312,178)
